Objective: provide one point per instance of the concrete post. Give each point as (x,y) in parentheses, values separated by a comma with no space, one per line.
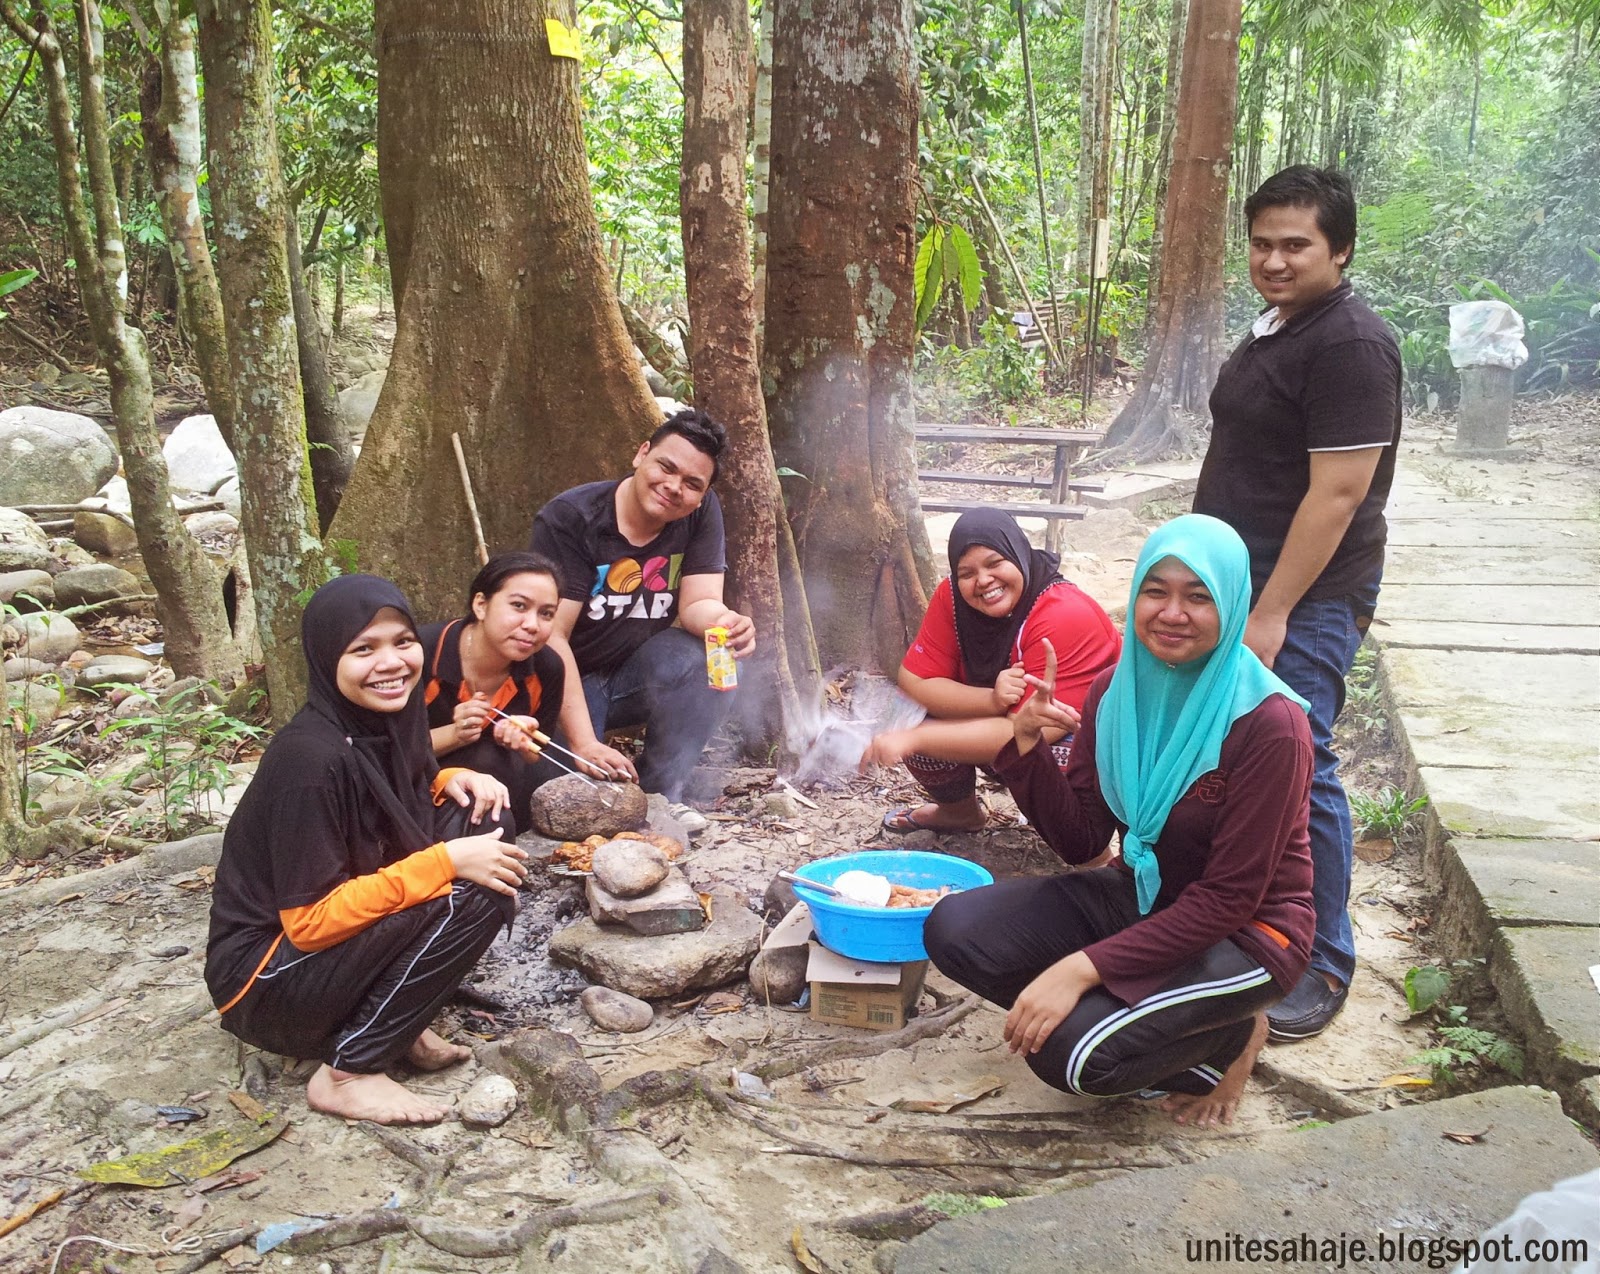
(1483,420)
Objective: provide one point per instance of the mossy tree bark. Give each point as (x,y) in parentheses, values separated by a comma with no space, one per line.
(839,318)
(727,377)
(507,329)
(188,591)
(249,209)
(1186,346)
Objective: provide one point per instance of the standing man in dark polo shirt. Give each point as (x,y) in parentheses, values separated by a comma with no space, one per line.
(1305,425)
(641,564)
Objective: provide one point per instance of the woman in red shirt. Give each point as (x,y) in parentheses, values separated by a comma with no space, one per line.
(985,629)
(1155,971)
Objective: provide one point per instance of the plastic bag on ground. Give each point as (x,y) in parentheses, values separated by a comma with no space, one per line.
(1543,1235)
(1486,334)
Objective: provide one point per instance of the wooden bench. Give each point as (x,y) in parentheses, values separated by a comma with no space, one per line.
(1067,446)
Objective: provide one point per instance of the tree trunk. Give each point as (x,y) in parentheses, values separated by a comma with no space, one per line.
(1187,346)
(761,166)
(1178,23)
(188,592)
(839,325)
(269,432)
(169,103)
(657,352)
(722,329)
(331,456)
(507,327)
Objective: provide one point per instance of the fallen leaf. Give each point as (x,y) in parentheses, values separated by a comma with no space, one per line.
(92,1014)
(188,1212)
(66,898)
(187,1160)
(1466,1138)
(32,1210)
(1405,1081)
(705,905)
(802,1253)
(234,1257)
(1379,849)
(946,1102)
(226,1181)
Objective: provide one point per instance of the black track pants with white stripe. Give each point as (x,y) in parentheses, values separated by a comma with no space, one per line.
(997,939)
(359,1005)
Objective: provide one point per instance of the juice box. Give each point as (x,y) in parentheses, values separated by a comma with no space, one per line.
(722,672)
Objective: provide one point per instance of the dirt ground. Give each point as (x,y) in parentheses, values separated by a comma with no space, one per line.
(104,1017)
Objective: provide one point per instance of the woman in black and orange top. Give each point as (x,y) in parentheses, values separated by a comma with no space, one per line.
(494,660)
(349,900)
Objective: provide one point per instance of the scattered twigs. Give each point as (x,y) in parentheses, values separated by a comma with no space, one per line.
(433,1167)
(214,1245)
(110,603)
(925,1027)
(34,343)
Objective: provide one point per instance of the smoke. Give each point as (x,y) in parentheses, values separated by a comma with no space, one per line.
(832,736)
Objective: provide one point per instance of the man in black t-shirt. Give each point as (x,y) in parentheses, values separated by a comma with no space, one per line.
(1305,426)
(642,563)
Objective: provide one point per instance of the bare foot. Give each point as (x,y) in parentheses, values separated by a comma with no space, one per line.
(1218,1106)
(963,816)
(374,1097)
(432,1052)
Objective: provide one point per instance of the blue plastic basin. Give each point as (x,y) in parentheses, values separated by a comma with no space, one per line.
(887,934)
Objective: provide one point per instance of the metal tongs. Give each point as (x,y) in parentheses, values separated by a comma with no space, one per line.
(541,741)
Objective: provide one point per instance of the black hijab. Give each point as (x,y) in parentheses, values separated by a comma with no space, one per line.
(987,643)
(392,748)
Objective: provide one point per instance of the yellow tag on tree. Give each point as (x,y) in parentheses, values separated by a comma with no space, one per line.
(563,39)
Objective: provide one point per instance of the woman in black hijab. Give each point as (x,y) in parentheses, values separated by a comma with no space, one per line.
(350,899)
(987,626)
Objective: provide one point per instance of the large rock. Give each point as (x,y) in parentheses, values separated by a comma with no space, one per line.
(672,907)
(39,700)
(630,868)
(52,457)
(102,582)
(571,808)
(27,590)
(23,545)
(115,494)
(232,502)
(656,968)
(197,457)
(778,974)
(20,669)
(44,635)
(102,533)
(111,670)
(357,403)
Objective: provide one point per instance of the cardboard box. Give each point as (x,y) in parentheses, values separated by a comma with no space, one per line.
(846,992)
(883,1003)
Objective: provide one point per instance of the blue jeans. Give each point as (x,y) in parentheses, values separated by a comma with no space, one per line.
(662,686)
(1319,648)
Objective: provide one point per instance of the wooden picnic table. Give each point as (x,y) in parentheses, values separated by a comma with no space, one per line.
(1067,445)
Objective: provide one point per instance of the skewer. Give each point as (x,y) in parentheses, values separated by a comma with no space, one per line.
(605,797)
(545,741)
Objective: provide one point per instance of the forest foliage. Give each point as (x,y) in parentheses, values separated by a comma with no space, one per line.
(1471,129)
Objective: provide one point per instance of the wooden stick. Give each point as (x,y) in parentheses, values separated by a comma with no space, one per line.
(472,504)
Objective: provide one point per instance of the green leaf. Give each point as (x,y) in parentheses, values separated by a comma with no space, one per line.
(971,272)
(1424,986)
(929,273)
(785,472)
(11,280)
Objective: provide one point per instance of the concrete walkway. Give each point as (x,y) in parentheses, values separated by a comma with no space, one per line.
(1489,632)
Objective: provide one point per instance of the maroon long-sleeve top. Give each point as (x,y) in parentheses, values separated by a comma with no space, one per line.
(1234,853)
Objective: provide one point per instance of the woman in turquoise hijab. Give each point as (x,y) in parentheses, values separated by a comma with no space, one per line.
(1154,972)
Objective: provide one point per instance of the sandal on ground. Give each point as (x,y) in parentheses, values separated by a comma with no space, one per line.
(903,821)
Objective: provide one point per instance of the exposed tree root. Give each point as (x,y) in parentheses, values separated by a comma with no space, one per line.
(73,835)
(925,1027)
(434,1168)
(467,1240)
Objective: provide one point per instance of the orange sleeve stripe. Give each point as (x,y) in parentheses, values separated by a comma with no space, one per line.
(357,904)
(251,980)
(1272,933)
(443,777)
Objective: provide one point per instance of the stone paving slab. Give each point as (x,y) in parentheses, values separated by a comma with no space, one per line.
(1475,567)
(1419,508)
(1455,636)
(1524,802)
(1377,1175)
(1469,680)
(1549,605)
(1473,738)
(1490,883)
(1492,532)
(1543,976)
